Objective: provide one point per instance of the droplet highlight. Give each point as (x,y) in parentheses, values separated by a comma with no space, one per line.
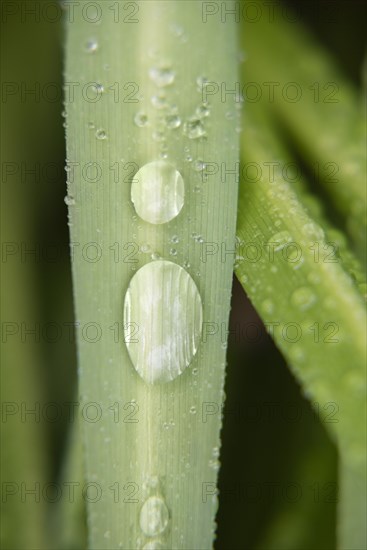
(158,192)
(163,302)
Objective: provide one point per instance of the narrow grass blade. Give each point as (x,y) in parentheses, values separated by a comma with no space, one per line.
(153,450)
(302,85)
(309,304)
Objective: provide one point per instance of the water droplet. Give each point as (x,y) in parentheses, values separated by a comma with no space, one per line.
(214,465)
(153,545)
(164,303)
(154,516)
(303,298)
(69,200)
(199,165)
(173,252)
(91,125)
(98,87)
(141,119)
(91,46)
(176,29)
(296,354)
(173,121)
(162,76)
(156,256)
(159,101)
(268,306)
(101,134)
(157,192)
(201,82)
(314,231)
(278,241)
(175,239)
(194,128)
(202,111)
(193,409)
(215,452)
(145,248)
(158,136)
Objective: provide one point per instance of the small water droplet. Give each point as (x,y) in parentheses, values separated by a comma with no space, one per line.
(175,239)
(214,465)
(101,134)
(202,111)
(201,82)
(158,136)
(193,409)
(141,119)
(278,241)
(303,298)
(173,121)
(194,128)
(91,45)
(176,29)
(156,256)
(98,87)
(69,200)
(91,125)
(157,192)
(162,76)
(154,516)
(215,452)
(173,252)
(199,165)
(159,101)
(268,306)
(296,354)
(314,231)
(164,302)
(145,248)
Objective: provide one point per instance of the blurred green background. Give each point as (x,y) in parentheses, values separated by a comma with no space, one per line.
(278,477)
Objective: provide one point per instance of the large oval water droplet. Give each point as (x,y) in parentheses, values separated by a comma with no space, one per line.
(164,305)
(158,192)
(154,516)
